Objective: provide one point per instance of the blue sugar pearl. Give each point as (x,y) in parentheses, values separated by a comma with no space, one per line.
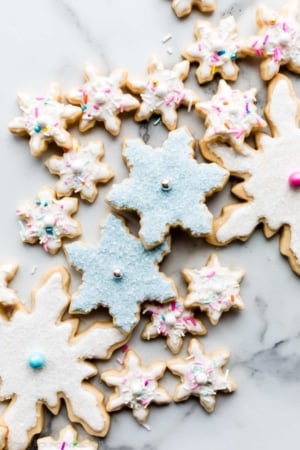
(221,52)
(37,128)
(233,57)
(36,361)
(84,107)
(49,230)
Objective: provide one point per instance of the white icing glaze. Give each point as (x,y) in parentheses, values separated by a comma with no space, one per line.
(278,40)
(172,321)
(44,119)
(163,92)
(80,170)
(216,50)
(8,297)
(67,441)
(215,289)
(65,367)
(48,220)
(184,7)
(102,99)
(230,115)
(136,386)
(201,375)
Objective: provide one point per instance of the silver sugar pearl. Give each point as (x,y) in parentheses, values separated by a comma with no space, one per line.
(166,184)
(118,273)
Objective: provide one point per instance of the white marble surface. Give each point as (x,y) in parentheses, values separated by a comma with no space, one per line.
(49,41)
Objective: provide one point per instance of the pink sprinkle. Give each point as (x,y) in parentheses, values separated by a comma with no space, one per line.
(36,112)
(107,90)
(169,100)
(56,124)
(40,98)
(254,44)
(199,47)
(96,107)
(247,107)
(63,445)
(258,52)
(277,54)
(192,320)
(285,27)
(266,39)
(215,58)
(211,274)
(173,306)
(125,348)
(122,107)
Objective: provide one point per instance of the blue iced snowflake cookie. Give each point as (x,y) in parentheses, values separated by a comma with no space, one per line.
(167,187)
(119,273)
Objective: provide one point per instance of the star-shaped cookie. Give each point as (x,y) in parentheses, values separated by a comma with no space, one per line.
(44,119)
(136,386)
(184,7)
(215,49)
(163,92)
(119,273)
(230,116)
(201,375)
(102,99)
(80,170)
(214,289)
(167,187)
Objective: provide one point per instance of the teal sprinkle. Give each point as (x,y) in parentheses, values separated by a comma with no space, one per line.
(233,57)
(84,107)
(37,128)
(38,203)
(49,230)
(221,52)
(46,204)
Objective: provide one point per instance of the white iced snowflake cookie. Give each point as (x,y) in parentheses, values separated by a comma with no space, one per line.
(80,170)
(68,440)
(278,40)
(163,92)
(44,119)
(184,7)
(43,359)
(216,50)
(136,387)
(214,289)
(230,116)
(48,220)
(269,191)
(201,375)
(102,99)
(171,321)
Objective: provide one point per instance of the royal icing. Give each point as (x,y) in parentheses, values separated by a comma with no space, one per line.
(80,170)
(136,386)
(119,273)
(102,99)
(44,119)
(167,187)
(201,375)
(47,220)
(215,49)
(278,40)
(68,440)
(265,172)
(163,92)
(214,288)
(64,372)
(171,321)
(230,115)
(184,7)
(8,297)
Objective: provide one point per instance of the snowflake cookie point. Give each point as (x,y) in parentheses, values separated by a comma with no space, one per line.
(184,7)
(119,267)
(67,440)
(48,220)
(136,386)
(66,371)
(201,375)
(102,99)
(163,92)
(8,297)
(214,289)
(230,116)
(172,321)
(44,119)
(80,170)
(167,187)
(216,50)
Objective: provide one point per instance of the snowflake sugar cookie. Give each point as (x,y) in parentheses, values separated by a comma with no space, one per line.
(216,50)
(167,187)
(270,191)
(80,170)
(47,220)
(214,289)
(43,360)
(44,119)
(230,116)
(278,39)
(68,440)
(201,375)
(102,99)
(172,321)
(119,273)
(136,387)
(8,297)
(184,7)
(163,92)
